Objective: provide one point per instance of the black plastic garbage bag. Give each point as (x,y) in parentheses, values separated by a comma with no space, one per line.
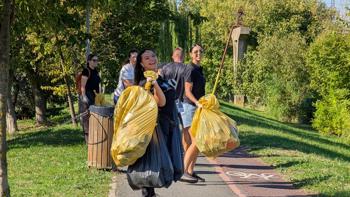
(176,153)
(154,168)
(171,133)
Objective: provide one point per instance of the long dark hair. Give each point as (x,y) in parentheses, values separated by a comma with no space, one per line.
(89,58)
(139,68)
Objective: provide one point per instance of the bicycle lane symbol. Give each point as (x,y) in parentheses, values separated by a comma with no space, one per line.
(244,175)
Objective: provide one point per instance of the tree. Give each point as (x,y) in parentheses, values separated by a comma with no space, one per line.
(329,67)
(7,9)
(276,73)
(269,20)
(53,44)
(127,25)
(11,119)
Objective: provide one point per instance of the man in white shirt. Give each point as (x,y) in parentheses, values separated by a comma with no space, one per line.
(126,75)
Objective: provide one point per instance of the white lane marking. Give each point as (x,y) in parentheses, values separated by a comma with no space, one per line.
(245,175)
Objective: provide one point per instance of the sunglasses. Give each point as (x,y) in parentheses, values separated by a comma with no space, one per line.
(198,51)
(95,60)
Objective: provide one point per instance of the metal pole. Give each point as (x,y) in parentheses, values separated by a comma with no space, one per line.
(88,10)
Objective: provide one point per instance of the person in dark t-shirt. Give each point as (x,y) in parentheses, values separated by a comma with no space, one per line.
(194,90)
(176,70)
(90,83)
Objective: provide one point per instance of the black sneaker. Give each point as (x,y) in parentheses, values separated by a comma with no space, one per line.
(198,177)
(188,178)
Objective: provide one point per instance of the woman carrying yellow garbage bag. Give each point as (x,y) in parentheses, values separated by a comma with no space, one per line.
(160,162)
(194,90)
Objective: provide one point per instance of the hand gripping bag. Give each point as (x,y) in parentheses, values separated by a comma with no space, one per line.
(215,133)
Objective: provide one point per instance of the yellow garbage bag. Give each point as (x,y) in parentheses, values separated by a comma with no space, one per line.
(215,133)
(100,99)
(135,118)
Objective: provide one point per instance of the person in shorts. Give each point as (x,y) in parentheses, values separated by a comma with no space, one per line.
(194,90)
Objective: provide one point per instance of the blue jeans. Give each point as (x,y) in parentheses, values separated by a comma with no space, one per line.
(187,114)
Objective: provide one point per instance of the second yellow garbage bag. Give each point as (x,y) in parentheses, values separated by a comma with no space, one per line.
(215,133)
(135,118)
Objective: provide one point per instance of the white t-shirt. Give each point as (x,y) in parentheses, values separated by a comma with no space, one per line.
(126,73)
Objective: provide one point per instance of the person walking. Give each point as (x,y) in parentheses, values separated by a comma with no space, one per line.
(194,90)
(147,60)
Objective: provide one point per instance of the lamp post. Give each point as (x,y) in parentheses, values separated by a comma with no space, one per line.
(239,39)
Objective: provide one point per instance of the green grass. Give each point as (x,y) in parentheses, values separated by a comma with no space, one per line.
(51,161)
(320,164)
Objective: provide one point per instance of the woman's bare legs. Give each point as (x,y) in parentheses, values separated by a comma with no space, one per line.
(190,156)
(186,139)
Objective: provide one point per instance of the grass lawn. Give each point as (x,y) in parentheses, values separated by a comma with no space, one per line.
(317,163)
(52,162)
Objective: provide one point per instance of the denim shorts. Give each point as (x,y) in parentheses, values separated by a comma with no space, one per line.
(187,114)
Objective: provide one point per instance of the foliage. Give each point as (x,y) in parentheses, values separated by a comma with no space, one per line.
(276,74)
(299,20)
(329,62)
(329,68)
(128,25)
(309,18)
(332,114)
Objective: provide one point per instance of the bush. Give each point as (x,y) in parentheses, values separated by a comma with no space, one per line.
(276,73)
(329,68)
(332,114)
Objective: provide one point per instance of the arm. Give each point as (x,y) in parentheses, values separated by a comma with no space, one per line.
(159,95)
(188,93)
(188,88)
(83,84)
(127,76)
(127,83)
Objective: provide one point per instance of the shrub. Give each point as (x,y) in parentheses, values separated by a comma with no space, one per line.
(332,114)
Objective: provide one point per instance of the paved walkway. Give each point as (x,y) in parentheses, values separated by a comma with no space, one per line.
(232,174)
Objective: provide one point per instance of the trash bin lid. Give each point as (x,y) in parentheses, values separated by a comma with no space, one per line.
(106,111)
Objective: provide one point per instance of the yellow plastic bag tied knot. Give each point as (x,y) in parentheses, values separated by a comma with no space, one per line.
(215,133)
(100,99)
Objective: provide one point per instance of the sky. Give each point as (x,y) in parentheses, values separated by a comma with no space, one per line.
(339,4)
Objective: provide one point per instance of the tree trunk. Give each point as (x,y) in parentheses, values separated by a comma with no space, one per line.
(5,22)
(11,119)
(40,106)
(70,95)
(39,100)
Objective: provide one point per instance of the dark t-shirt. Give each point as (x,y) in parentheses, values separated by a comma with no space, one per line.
(92,83)
(176,71)
(196,77)
(167,111)
(170,96)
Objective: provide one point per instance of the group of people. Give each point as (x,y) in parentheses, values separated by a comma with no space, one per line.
(177,89)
